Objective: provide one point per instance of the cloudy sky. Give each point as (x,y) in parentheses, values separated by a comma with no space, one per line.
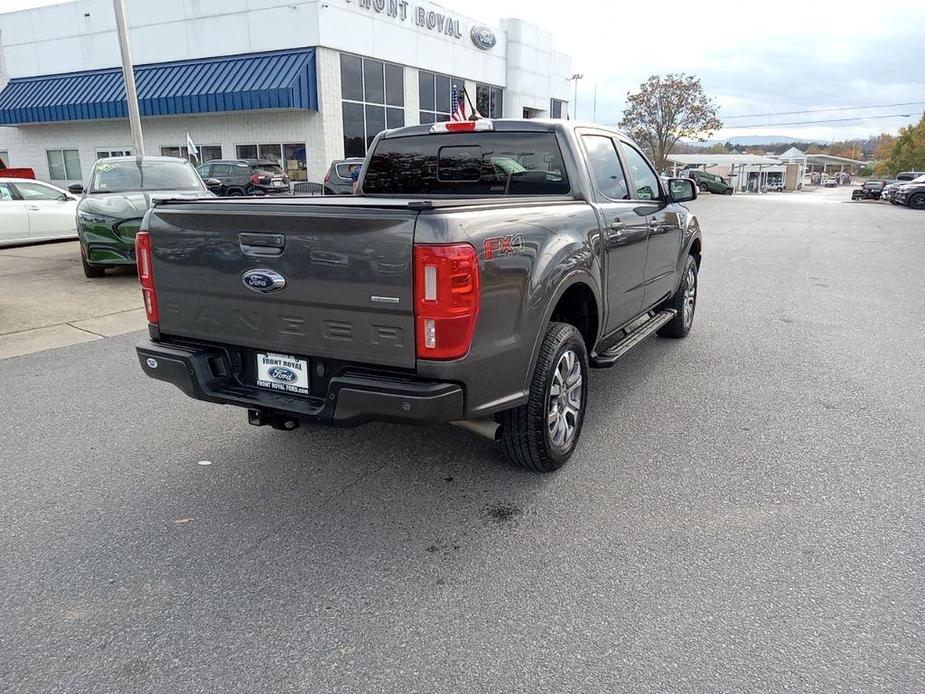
(753,57)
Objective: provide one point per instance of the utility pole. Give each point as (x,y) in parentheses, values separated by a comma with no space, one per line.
(128,74)
(574,78)
(595,102)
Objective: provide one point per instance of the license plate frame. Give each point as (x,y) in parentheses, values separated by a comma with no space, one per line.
(282,373)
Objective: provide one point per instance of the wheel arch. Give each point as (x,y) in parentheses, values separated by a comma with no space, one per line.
(579,283)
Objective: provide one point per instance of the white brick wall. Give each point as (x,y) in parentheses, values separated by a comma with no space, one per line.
(27,144)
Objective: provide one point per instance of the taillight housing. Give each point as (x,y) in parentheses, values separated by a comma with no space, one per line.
(446,299)
(146,274)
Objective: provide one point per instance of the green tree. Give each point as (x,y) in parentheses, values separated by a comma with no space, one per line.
(907,152)
(667,108)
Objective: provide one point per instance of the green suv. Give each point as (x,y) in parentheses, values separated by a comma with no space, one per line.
(121,190)
(709,183)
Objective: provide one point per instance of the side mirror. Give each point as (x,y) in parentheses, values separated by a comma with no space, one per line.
(213,184)
(76,188)
(682,189)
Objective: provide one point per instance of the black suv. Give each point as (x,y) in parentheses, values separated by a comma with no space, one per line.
(246,177)
(337,181)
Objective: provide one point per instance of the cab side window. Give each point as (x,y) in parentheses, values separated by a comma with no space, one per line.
(605,167)
(646,179)
(36,191)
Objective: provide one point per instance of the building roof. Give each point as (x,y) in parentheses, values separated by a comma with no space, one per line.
(274,80)
(707,159)
(792,153)
(829,159)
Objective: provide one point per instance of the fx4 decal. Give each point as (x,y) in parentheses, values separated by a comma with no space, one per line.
(503,245)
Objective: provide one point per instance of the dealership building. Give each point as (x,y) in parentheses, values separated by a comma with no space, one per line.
(301,82)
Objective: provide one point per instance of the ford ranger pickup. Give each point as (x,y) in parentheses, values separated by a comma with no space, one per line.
(479,273)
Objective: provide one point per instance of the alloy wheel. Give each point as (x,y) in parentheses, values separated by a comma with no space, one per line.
(565,396)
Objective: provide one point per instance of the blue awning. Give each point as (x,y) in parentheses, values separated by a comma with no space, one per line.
(255,81)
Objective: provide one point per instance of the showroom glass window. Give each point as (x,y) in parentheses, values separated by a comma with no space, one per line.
(489,100)
(5,157)
(434,92)
(373,99)
(206,153)
(63,164)
(557,109)
(106,153)
(289,156)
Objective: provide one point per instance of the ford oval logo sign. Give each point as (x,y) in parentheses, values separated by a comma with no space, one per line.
(483,37)
(263,281)
(282,374)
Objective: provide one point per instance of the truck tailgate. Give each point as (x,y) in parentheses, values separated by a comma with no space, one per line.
(347,273)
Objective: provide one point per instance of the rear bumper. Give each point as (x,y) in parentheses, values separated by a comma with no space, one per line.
(350,399)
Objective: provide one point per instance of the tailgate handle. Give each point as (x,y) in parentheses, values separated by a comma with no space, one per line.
(262,244)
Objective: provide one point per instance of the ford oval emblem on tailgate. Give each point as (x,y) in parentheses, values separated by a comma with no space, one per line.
(263,281)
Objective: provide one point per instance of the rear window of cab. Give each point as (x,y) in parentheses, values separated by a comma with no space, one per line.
(472,164)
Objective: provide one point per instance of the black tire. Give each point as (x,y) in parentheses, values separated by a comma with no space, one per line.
(917,201)
(235,193)
(525,435)
(680,325)
(92,271)
(703,188)
(728,191)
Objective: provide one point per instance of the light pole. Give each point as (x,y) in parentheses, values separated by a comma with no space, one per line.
(574,79)
(128,74)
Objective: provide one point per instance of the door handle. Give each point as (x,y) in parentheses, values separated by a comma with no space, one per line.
(33,208)
(654,224)
(618,226)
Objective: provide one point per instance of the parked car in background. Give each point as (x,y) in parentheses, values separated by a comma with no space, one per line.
(21,172)
(121,191)
(830,182)
(892,187)
(246,177)
(871,190)
(709,183)
(912,194)
(31,211)
(338,180)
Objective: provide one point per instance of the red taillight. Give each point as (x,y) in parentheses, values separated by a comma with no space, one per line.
(327,177)
(146,274)
(446,299)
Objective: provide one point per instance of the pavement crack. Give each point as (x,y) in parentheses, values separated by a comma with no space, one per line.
(77,327)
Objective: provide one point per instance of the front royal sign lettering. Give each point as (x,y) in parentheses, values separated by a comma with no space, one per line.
(401,9)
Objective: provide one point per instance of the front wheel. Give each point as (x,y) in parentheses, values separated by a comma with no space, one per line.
(92,271)
(728,191)
(917,201)
(542,434)
(684,301)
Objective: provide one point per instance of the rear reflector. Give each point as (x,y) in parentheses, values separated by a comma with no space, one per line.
(465,126)
(146,274)
(446,299)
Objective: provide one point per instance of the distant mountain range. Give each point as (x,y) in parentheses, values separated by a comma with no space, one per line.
(751,140)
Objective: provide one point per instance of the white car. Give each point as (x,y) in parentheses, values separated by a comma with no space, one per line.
(31,211)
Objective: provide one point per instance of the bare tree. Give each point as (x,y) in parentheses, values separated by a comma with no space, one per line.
(667,108)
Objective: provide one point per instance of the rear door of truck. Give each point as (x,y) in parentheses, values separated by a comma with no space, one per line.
(320,277)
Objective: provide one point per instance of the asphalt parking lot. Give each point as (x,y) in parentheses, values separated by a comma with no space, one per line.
(744,512)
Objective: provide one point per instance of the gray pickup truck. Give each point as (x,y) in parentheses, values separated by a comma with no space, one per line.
(479,273)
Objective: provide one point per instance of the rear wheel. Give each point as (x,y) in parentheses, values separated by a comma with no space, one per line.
(235,193)
(728,191)
(542,434)
(917,201)
(684,302)
(703,188)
